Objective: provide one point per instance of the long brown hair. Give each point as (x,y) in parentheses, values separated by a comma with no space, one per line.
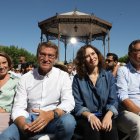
(80,64)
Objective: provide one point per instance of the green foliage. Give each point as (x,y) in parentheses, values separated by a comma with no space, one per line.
(15,53)
(123,59)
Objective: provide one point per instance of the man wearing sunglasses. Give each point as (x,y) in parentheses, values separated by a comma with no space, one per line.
(112,63)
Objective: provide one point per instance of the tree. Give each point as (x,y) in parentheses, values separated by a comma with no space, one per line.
(14,52)
(124,59)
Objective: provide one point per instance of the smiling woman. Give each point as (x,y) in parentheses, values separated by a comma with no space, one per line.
(8,84)
(95,96)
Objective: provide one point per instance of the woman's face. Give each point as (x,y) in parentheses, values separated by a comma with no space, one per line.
(91,58)
(4,68)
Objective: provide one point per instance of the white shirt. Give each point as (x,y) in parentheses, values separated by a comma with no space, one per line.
(48,92)
(128,83)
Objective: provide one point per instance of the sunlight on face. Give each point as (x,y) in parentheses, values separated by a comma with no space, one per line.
(4,68)
(46,58)
(91,57)
(135,55)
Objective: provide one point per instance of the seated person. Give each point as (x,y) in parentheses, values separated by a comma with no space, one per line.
(8,83)
(43,100)
(128,84)
(95,96)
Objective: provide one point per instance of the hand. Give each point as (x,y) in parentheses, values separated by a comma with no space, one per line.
(42,120)
(2,110)
(107,123)
(95,122)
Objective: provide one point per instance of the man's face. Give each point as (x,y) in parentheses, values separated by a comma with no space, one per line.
(22,59)
(46,59)
(70,69)
(134,55)
(110,63)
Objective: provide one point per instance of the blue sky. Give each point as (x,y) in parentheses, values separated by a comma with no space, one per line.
(19,21)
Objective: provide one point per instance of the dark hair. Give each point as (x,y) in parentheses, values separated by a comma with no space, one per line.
(132,44)
(80,64)
(61,67)
(115,56)
(7,57)
(48,44)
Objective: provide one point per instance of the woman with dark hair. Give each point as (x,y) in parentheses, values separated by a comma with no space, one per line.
(95,96)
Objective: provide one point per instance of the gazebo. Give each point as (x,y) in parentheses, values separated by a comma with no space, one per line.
(84,27)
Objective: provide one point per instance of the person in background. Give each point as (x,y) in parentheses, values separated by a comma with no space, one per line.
(22,62)
(95,96)
(70,67)
(43,100)
(28,66)
(61,67)
(128,85)
(8,83)
(112,63)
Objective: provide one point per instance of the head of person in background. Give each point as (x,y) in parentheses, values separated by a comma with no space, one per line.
(7,82)
(112,63)
(71,70)
(22,59)
(21,64)
(61,67)
(28,67)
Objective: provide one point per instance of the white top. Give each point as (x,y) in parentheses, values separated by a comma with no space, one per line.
(54,90)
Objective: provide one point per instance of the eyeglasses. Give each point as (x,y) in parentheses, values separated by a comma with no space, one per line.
(136,50)
(43,55)
(108,60)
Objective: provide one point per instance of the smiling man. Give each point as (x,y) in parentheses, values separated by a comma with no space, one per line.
(112,63)
(43,101)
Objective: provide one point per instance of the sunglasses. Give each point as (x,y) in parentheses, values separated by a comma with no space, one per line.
(108,60)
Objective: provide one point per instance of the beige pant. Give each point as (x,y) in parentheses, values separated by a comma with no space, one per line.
(4,121)
(129,122)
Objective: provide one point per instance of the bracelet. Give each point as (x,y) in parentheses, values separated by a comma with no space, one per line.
(90,117)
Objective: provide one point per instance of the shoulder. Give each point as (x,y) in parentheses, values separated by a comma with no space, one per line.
(124,69)
(56,72)
(107,75)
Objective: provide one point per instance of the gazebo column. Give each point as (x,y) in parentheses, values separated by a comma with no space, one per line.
(108,34)
(90,34)
(41,38)
(65,45)
(104,46)
(58,42)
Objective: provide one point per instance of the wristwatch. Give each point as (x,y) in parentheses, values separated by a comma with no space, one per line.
(56,116)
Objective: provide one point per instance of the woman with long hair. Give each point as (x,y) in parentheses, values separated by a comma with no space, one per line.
(95,96)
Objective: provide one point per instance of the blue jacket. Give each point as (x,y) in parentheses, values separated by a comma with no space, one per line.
(96,99)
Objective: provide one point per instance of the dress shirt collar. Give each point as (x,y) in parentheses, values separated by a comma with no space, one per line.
(42,76)
(132,69)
